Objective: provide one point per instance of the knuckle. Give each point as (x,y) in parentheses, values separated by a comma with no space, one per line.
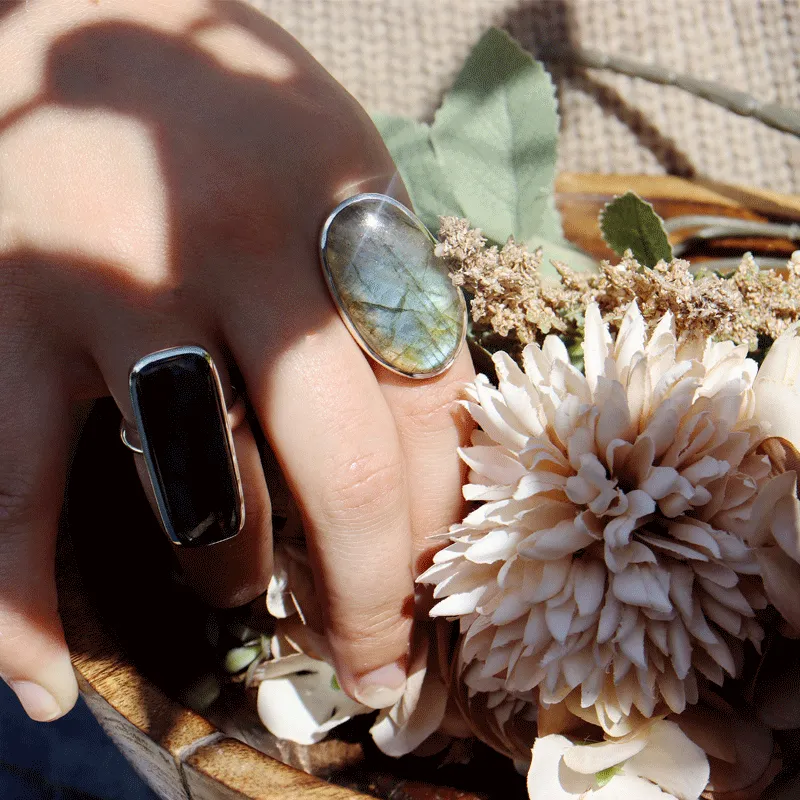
(15,502)
(375,628)
(434,408)
(362,484)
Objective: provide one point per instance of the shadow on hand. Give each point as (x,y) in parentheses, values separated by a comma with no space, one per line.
(225,137)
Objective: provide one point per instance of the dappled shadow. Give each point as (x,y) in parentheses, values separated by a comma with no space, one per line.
(547,29)
(7,6)
(224,138)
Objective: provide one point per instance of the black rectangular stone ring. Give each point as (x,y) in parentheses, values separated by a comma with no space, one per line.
(187,444)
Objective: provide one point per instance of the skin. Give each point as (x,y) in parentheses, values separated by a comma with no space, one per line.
(165,169)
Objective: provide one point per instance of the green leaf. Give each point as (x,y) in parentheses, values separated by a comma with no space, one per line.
(240,658)
(605,775)
(496,137)
(335,683)
(630,223)
(409,144)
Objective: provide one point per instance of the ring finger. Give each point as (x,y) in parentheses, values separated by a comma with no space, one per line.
(322,411)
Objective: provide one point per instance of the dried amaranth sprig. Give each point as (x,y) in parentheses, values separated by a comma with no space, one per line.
(512,297)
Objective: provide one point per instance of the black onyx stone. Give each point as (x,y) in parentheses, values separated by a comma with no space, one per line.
(182,422)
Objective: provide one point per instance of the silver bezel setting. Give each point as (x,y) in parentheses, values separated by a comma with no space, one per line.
(146,451)
(337,300)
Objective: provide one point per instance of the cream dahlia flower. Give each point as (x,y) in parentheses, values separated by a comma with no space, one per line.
(608,563)
(658,762)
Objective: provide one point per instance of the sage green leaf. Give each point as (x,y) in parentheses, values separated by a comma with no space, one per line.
(630,223)
(496,137)
(409,144)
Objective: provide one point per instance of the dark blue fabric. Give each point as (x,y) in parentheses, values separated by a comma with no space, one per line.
(70,759)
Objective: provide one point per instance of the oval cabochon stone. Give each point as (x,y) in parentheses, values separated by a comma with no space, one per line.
(392,291)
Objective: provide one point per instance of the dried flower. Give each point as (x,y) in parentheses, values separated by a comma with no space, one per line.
(608,565)
(510,294)
(659,762)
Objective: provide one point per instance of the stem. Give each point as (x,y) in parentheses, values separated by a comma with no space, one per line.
(772,114)
(711,227)
(728,265)
(735,227)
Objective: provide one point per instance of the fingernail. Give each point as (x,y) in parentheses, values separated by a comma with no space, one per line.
(38,703)
(382,687)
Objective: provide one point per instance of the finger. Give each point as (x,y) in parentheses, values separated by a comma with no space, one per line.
(35,431)
(431,427)
(322,410)
(234,571)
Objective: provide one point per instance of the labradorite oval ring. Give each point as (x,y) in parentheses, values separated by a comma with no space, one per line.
(185,435)
(392,291)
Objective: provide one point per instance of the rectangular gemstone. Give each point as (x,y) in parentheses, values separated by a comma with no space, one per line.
(181,418)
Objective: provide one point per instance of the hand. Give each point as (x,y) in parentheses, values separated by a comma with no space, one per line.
(165,169)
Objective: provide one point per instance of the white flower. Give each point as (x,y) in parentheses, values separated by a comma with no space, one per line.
(419,712)
(777,387)
(608,564)
(659,762)
(299,699)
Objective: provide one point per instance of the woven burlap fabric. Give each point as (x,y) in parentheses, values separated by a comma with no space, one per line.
(399,56)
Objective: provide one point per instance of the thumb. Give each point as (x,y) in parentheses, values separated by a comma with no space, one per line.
(34,443)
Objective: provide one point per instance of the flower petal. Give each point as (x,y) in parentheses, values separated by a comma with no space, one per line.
(589,759)
(590,583)
(596,344)
(549,778)
(519,393)
(459,604)
(423,707)
(554,543)
(672,761)
(303,708)
(777,387)
(781,576)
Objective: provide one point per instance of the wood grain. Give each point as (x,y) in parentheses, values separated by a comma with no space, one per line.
(245,773)
(178,752)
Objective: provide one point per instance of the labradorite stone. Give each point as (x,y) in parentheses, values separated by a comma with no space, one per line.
(391,289)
